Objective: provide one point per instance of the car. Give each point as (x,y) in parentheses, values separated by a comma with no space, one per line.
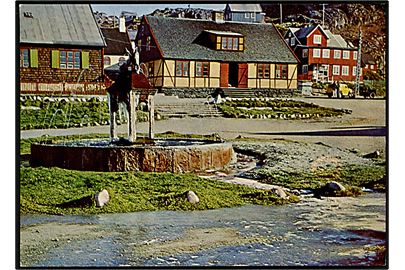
(366,91)
(339,90)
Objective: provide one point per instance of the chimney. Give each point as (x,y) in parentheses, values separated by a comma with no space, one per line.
(122,24)
(218,16)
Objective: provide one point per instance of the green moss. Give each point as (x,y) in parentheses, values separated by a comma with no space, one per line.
(44,190)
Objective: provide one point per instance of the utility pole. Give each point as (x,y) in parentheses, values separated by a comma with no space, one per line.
(323,15)
(281,13)
(358,67)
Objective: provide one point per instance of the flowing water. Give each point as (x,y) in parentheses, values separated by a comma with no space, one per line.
(332,231)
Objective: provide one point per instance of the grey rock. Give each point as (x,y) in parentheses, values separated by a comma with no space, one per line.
(102,198)
(280,193)
(192,197)
(334,186)
(374,154)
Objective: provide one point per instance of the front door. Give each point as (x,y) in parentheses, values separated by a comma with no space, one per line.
(242,75)
(224,76)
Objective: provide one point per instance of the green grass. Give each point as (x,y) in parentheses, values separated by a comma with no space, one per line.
(43,190)
(247,108)
(58,114)
(351,176)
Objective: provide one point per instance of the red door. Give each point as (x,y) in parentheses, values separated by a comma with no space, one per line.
(242,75)
(224,76)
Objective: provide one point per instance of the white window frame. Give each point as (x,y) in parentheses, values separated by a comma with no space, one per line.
(252,15)
(247,15)
(337,54)
(336,70)
(305,69)
(292,41)
(318,55)
(354,70)
(304,53)
(325,53)
(345,70)
(317,39)
(371,66)
(355,55)
(346,54)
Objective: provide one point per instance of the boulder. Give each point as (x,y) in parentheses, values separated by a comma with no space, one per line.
(102,198)
(192,197)
(280,193)
(375,154)
(334,186)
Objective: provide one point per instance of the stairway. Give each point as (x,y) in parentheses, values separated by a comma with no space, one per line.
(181,110)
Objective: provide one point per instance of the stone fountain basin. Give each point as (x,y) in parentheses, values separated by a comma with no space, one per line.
(163,155)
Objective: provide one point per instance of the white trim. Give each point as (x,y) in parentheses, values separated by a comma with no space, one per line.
(317,39)
(345,70)
(335,71)
(305,55)
(335,54)
(354,55)
(347,54)
(320,27)
(318,55)
(324,53)
(305,69)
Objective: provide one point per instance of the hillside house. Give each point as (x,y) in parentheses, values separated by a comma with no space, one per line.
(368,63)
(324,56)
(244,13)
(118,42)
(61,49)
(207,54)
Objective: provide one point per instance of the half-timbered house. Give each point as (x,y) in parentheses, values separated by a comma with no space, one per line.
(207,54)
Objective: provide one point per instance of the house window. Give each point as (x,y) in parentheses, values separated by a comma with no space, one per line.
(182,68)
(252,15)
(346,55)
(336,70)
(202,69)
(304,69)
(263,71)
(317,53)
(281,71)
(151,70)
(292,41)
(107,61)
(317,39)
(247,15)
(69,59)
(354,70)
(148,43)
(325,53)
(355,55)
(345,70)
(139,45)
(121,60)
(24,58)
(371,66)
(337,54)
(229,43)
(304,53)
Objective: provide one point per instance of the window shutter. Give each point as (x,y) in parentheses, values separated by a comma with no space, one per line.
(55,59)
(34,58)
(218,43)
(85,59)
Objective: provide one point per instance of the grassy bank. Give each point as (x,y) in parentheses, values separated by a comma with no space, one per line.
(38,114)
(49,190)
(276,108)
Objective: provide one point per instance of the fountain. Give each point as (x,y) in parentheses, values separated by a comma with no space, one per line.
(131,154)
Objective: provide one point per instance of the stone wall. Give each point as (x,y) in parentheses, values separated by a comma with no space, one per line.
(188,92)
(178,159)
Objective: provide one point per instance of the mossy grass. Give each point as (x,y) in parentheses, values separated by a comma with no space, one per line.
(275,107)
(44,190)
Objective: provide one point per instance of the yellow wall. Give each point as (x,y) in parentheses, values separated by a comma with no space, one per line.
(215,69)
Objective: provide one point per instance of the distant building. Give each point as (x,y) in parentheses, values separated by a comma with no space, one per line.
(324,56)
(368,63)
(118,43)
(61,49)
(244,13)
(199,55)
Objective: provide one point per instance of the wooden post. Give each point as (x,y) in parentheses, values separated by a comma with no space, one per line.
(133,103)
(151,107)
(113,124)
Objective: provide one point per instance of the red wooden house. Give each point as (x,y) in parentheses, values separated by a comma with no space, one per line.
(323,55)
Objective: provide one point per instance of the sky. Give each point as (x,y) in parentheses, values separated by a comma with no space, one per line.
(143,9)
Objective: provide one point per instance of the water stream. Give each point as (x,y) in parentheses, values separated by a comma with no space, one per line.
(332,231)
